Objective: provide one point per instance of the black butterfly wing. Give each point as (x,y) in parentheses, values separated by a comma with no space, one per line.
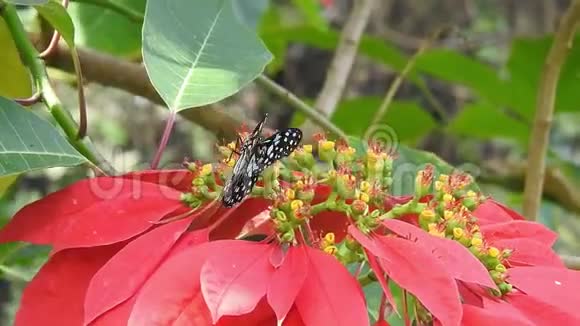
(277,146)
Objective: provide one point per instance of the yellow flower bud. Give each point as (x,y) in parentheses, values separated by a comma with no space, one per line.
(476,242)
(443,178)
(447,198)
(206,169)
(457,233)
(296,204)
(493,251)
(329,238)
(331,250)
(307,148)
(447,214)
(364,197)
(327,145)
(290,194)
(365,186)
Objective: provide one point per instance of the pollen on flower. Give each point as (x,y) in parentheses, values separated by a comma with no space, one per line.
(290,194)
(476,242)
(329,238)
(457,233)
(331,250)
(447,198)
(206,169)
(447,214)
(296,204)
(365,186)
(364,197)
(439,185)
(327,145)
(444,178)
(493,251)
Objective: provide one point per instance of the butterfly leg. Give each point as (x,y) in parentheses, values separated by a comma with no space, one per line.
(238,143)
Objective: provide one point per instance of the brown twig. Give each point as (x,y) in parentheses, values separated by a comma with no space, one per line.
(132,77)
(538,145)
(341,64)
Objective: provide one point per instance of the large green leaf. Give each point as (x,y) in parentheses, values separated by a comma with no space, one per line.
(29,143)
(106,30)
(484,121)
(57,16)
(525,65)
(14,78)
(197,52)
(250,12)
(406,121)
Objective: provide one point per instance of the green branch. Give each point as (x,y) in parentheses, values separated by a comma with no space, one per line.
(31,58)
(299,105)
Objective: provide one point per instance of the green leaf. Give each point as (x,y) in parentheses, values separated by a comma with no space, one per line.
(405,121)
(57,16)
(197,52)
(483,121)
(311,10)
(27,2)
(250,12)
(30,143)
(14,78)
(525,65)
(373,47)
(482,79)
(106,30)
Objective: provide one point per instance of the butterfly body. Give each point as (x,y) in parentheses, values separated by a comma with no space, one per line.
(256,154)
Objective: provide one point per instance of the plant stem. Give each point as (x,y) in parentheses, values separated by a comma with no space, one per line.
(538,145)
(115,6)
(164,139)
(342,62)
(299,105)
(390,95)
(30,57)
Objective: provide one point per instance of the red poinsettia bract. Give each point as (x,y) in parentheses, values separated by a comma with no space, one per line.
(157,248)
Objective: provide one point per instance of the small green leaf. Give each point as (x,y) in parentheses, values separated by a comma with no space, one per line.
(57,16)
(197,52)
(106,30)
(30,143)
(6,182)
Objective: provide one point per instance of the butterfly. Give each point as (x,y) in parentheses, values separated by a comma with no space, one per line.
(255,155)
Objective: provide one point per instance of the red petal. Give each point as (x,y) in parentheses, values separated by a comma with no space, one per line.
(124,274)
(471,294)
(116,316)
(287,281)
(378,270)
(491,212)
(556,286)
(475,316)
(330,295)
(528,252)
(234,219)
(233,282)
(513,214)
(381,323)
(293,318)
(56,294)
(262,315)
(326,222)
(541,312)
(92,212)
(519,229)
(405,261)
(458,260)
(173,292)
(177,179)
